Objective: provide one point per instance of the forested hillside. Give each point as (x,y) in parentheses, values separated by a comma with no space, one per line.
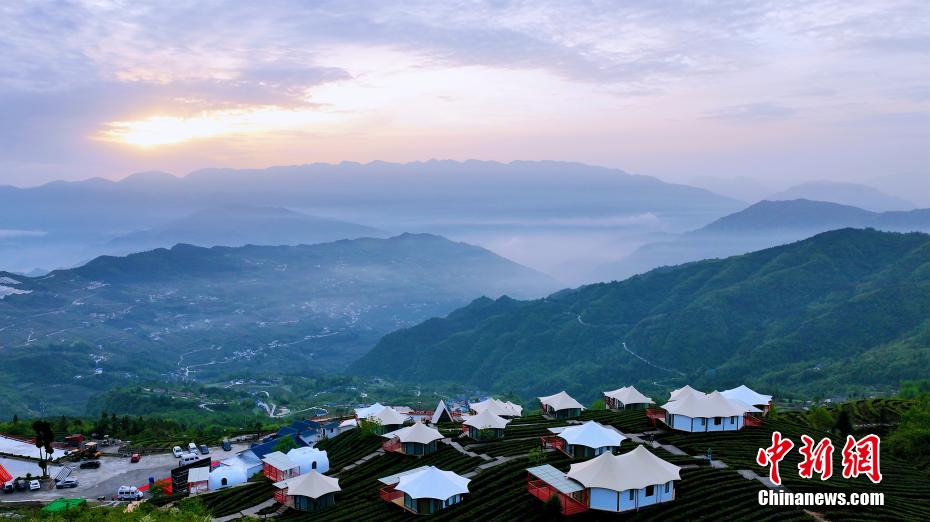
(847,310)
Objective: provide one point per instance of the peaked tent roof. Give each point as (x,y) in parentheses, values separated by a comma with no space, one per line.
(628,395)
(592,435)
(418,433)
(633,470)
(441,409)
(683,392)
(498,407)
(745,408)
(561,401)
(312,484)
(485,419)
(279,460)
(364,413)
(433,482)
(746,395)
(388,416)
(698,404)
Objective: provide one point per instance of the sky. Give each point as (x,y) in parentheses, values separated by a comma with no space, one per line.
(774,92)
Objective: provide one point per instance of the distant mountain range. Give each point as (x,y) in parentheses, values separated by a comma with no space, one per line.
(762,225)
(238,225)
(846,310)
(208,312)
(852,194)
(443,197)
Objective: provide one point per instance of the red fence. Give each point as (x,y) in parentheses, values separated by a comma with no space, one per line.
(543,491)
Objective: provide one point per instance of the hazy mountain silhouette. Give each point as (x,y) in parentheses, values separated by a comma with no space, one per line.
(762,225)
(237,225)
(854,194)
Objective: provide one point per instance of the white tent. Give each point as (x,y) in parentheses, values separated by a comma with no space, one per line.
(592,435)
(348,424)
(683,392)
(227,476)
(633,470)
(433,482)
(440,409)
(485,420)
(697,404)
(309,459)
(312,484)
(418,433)
(387,416)
(497,407)
(364,413)
(747,396)
(561,401)
(628,395)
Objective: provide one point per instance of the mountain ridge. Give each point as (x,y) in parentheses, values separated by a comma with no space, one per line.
(811,317)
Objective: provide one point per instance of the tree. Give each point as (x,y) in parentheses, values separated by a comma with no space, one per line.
(553,507)
(536,456)
(44,440)
(844,424)
(285,444)
(820,418)
(598,405)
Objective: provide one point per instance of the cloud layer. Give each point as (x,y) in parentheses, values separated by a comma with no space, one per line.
(822,89)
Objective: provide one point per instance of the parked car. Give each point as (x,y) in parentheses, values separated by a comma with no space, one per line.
(34,485)
(8,487)
(90,464)
(204,450)
(192,447)
(227,446)
(177,451)
(128,493)
(21,484)
(66,483)
(187,458)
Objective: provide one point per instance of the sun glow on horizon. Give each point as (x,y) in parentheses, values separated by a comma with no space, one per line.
(156,131)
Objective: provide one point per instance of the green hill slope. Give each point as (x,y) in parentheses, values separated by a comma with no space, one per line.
(845,310)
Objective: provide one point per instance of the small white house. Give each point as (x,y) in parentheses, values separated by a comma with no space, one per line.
(626,482)
(308,459)
(586,440)
(705,412)
(626,398)
(227,476)
(198,480)
(561,405)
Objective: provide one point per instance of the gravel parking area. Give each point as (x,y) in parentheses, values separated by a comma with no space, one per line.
(112,473)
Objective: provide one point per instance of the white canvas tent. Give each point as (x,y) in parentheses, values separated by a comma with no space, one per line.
(592,435)
(560,402)
(432,482)
(626,396)
(312,484)
(683,392)
(441,409)
(632,470)
(418,433)
(497,407)
(486,420)
(746,395)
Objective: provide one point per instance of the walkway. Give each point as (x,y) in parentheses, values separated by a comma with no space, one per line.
(749,474)
(377,453)
(248,512)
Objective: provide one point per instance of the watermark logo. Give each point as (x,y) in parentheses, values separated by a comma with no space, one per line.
(860,457)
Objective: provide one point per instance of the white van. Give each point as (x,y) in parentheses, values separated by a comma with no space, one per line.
(177,452)
(192,447)
(128,493)
(187,458)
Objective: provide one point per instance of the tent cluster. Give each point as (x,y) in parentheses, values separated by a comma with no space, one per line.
(384,418)
(497,407)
